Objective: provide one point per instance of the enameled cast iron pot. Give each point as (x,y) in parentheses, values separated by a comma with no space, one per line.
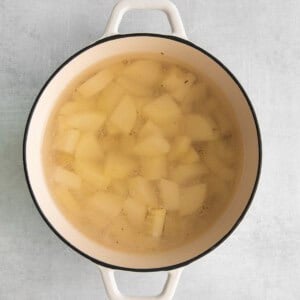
(177,46)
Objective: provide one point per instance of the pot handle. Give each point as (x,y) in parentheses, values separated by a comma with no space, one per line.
(166,6)
(114,293)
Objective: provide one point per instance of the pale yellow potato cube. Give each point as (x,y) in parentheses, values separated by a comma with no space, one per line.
(142,190)
(67,140)
(149,129)
(107,203)
(201,128)
(155,221)
(184,173)
(135,211)
(89,148)
(110,97)
(192,198)
(169,194)
(162,110)
(152,146)
(134,88)
(109,143)
(66,178)
(92,173)
(179,147)
(119,166)
(154,167)
(191,156)
(172,129)
(64,160)
(140,102)
(127,142)
(86,121)
(145,72)
(124,115)
(112,129)
(96,83)
(119,187)
(70,204)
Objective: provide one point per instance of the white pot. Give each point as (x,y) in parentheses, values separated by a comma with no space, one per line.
(175,45)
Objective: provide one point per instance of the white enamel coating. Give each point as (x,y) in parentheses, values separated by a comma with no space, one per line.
(166,6)
(130,45)
(114,293)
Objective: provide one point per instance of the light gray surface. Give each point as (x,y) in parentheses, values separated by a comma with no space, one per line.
(260,42)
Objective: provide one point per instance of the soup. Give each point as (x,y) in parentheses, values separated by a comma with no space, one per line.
(142,153)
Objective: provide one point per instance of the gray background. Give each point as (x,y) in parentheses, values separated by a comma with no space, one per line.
(260,42)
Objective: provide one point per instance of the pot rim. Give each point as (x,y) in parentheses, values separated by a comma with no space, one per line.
(220,241)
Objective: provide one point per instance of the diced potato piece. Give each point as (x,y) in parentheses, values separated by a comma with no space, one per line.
(96,83)
(127,142)
(67,200)
(217,166)
(140,102)
(200,128)
(155,221)
(92,173)
(107,203)
(152,146)
(169,193)
(191,156)
(109,143)
(162,110)
(145,72)
(89,148)
(124,115)
(118,165)
(66,178)
(179,147)
(67,140)
(142,190)
(178,83)
(135,211)
(154,167)
(110,97)
(86,121)
(63,159)
(187,172)
(134,88)
(192,198)
(149,129)
(111,128)
(172,129)
(119,187)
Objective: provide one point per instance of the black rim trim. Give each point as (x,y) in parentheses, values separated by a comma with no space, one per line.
(181,264)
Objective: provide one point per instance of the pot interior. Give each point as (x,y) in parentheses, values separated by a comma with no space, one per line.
(189,55)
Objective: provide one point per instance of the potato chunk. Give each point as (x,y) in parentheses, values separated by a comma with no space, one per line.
(152,146)
(89,148)
(149,129)
(67,140)
(110,97)
(179,147)
(92,173)
(106,203)
(134,88)
(124,115)
(86,121)
(135,211)
(142,190)
(200,128)
(169,193)
(192,198)
(119,187)
(66,178)
(145,72)
(96,83)
(119,166)
(155,221)
(162,110)
(67,200)
(191,156)
(154,167)
(187,172)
